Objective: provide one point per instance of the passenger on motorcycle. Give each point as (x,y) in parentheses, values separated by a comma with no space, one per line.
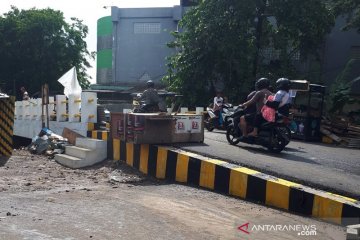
(257,100)
(218,104)
(150,97)
(281,103)
(249,110)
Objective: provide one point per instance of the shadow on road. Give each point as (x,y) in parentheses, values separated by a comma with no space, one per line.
(283,155)
(3,160)
(203,144)
(290,149)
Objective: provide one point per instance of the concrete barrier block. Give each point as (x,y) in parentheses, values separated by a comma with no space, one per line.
(353,232)
(91,143)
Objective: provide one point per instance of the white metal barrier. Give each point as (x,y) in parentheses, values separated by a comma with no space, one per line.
(73,113)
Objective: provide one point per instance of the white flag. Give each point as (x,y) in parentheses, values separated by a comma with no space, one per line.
(71,84)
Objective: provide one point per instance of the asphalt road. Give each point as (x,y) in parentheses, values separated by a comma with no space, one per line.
(42,200)
(327,167)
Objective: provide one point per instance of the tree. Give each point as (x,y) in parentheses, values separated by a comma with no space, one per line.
(340,91)
(38,46)
(350,9)
(241,40)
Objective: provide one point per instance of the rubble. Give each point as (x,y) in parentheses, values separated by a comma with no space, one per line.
(48,143)
(341,130)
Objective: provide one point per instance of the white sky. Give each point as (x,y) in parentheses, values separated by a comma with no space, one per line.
(87,10)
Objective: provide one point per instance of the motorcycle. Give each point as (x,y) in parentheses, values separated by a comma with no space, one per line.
(211,119)
(272,135)
(141,107)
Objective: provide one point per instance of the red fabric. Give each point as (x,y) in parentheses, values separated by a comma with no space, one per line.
(268,113)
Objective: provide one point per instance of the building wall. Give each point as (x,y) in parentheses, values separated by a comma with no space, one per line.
(139,47)
(132,57)
(104,50)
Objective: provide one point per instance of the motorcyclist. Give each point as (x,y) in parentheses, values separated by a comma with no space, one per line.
(218,104)
(150,96)
(282,100)
(257,100)
(248,110)
(281,103)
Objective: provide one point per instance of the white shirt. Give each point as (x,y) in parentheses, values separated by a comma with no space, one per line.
(218,102)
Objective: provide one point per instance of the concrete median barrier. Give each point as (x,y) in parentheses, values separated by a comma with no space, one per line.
(188,168)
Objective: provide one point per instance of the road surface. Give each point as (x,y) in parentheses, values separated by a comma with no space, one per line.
(327,167)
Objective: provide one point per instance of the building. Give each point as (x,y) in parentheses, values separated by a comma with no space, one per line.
(132,46)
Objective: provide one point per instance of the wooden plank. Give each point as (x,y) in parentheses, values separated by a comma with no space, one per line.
(71,135)
(330,135)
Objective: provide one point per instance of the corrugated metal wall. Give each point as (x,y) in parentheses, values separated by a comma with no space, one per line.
(7,107)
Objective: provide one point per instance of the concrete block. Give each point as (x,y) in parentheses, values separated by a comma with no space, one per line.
(89,107)
(87,152)
(77,151)
(70,161)
(74,108)
(61,108)
(353,232)
(90,156)
(91,143)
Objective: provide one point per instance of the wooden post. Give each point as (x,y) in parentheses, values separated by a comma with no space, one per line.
(42,107)
(46,98)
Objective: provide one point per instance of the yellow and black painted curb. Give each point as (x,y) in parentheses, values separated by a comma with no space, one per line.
(99,134)
(94,133)
(188,168)
(7,108)
(97,126)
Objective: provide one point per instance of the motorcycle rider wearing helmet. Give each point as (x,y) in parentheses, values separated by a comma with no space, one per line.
(248,110)
(150,96)
(281,103)
(217,108)
(257,100)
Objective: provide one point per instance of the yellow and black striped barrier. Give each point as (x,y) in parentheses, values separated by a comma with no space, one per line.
(97,126)
(7,106)
(99,134)
(94,133)
(188,168)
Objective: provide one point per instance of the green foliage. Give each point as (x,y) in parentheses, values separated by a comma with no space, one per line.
(340,97)
(340,90)
(38,46)
(350,9)
(229,39)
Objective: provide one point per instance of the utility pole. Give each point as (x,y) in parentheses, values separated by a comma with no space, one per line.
(260,15)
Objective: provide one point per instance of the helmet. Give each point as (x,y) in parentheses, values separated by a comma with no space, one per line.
(150,84)
(262,83)
(283,84)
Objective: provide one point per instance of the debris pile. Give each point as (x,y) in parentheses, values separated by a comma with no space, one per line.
(48,143)
(342,131)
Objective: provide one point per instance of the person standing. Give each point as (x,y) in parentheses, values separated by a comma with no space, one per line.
(25,94)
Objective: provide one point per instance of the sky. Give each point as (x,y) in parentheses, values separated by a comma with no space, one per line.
(87,10)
